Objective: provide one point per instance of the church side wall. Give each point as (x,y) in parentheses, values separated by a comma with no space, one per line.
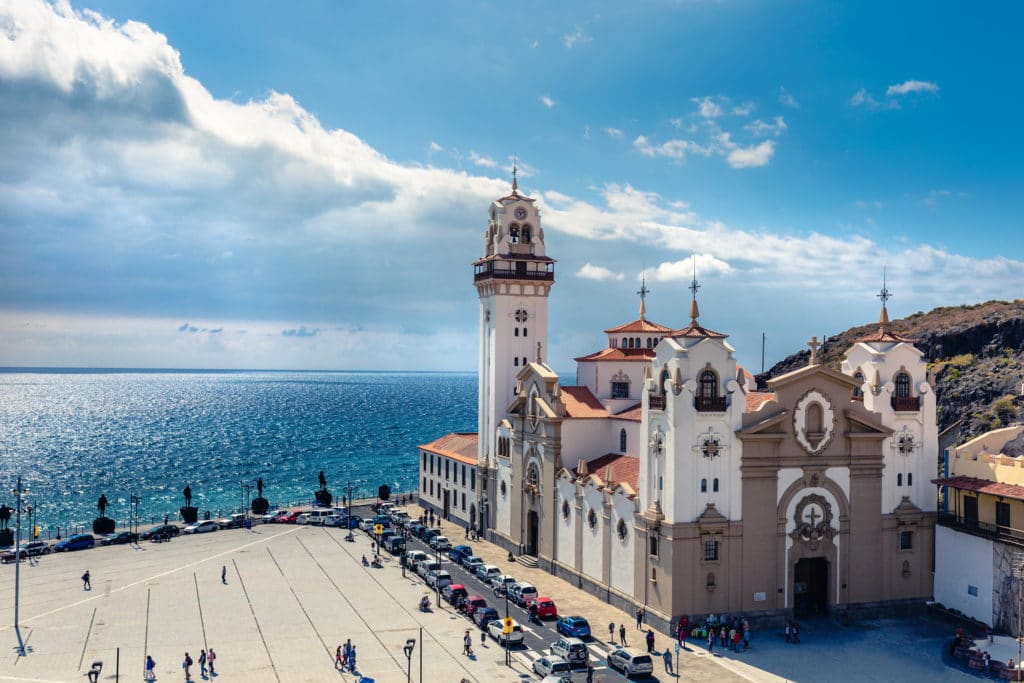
(503,502)
(593,550)
(565,546)
(587,439)
(622,546)
(963,573)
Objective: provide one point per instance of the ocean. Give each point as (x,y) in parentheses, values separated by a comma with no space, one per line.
(73,435)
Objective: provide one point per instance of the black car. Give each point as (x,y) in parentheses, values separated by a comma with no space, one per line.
(161,532)
(416,528)
(120,538)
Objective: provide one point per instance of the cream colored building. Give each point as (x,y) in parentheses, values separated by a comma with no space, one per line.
(663,479)
(980,534)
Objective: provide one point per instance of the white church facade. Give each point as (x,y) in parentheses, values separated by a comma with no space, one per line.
(662,479)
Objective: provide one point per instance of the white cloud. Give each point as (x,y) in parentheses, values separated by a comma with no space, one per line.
(745,109)
(482,160)
(761,128)
(577,37)
(787,99)
(753,156)
(868,204)
(707,266)
(707,107)
(613,132)
(591,272)
(862,98)
(547,101)
(434,147)
(907,87)
(672,149)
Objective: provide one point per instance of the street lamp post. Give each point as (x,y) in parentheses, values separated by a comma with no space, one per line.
(19,491)
(508,636)
(410,645)
(134,507)
(437,584)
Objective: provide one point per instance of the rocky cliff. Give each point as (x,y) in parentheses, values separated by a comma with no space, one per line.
(975,355)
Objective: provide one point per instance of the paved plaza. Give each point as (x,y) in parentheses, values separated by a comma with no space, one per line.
(293,594)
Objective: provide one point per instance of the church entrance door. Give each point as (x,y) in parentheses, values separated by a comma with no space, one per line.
(532,532)
(810,587)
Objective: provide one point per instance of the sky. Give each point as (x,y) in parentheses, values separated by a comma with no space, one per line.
(305,185)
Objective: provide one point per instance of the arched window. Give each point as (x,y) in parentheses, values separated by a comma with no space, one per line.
(525,331)
(517,332)
(815,420)
(526,235)
(902,385)
(858,392)
(708,384)
(703,485)
(650,343)
(665,377)
(513,233)
(637,342)
(899,479)
(714,485)
(622,440)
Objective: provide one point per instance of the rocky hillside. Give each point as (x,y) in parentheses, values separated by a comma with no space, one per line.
(975,354)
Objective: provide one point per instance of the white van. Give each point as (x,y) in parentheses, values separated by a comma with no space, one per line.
(317,517)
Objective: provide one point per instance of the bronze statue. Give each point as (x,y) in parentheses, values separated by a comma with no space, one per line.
(102,505)
(323,481)
(188,496)
(259,487)
(5,515)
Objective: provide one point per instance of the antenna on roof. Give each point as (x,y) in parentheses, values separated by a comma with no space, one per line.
(884,295)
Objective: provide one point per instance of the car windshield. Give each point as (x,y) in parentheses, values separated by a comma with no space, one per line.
(546,603)
(558,667)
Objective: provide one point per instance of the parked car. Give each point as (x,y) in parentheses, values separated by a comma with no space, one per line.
(383,520)
(630,662)
(472,563)
(471,604)
(440,543)
(414,557)
(416,529)
(161,531)
(32,549)
(314,517)
(429,533)
(202,527)
(574,627)
(426,566)
(291,518)
(458,552)
(572,650)
(394,545)
(522,593)
(546,608)
(495,629)
(268,518)
(235,521)
(279,516)
(484,616)
(120,538)
(438,578)
(552,666)
(453,592)
(366,525)
(487,572)
(76,542)
(502,583)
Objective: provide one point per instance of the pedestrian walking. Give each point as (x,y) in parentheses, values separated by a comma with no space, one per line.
(732,639)
(352,659)
(796,633)
(150,665)
(202,663)
(590,674)
(210,657)
(650,640)
(224,574)
(622,635)
(639,618)
(467,645)
(789,636)
(467,532)
(667,657)
(611,633)
(86,583)
(337,658)
(186,664)
(711,640)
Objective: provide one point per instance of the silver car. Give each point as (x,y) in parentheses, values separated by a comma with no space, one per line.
(630,662)
(552,665)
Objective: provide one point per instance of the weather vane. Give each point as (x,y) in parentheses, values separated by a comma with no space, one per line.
(885,294)
(694,286)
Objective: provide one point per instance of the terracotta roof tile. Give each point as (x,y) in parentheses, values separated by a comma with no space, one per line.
(580,403)
(625,468)
(618,354)
(884,335)
(695,330)
(756,399)
(632,414)
(461,446)
(639,325)
(982,486)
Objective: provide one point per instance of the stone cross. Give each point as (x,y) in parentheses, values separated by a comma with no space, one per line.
(811,515)
(814,344)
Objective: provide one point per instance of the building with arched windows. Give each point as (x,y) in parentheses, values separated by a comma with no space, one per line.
(663,478)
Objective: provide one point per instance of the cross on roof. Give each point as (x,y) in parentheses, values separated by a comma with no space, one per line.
(694,285)
(515,170)
(884,295)
(812,514)
(643,291)
(814,344)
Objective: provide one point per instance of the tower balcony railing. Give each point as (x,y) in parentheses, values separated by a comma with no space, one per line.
(656,402)
(906,404)
(487,271)
(710,404)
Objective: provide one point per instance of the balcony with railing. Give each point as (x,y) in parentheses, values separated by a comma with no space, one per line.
(710,404)
(906,404)
(500,270)
(656,402)
(988,530)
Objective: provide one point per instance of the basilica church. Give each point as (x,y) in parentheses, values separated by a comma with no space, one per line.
(663,478)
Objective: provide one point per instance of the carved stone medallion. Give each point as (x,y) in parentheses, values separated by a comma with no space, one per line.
(814,422)
(813,518)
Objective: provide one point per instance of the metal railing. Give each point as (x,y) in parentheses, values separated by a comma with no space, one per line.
(656,402)
(489,271)
(906,404)
(987,529)
(710,404)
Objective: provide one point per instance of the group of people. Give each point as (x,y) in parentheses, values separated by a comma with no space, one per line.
(206,660)
(792,632)
(345,657)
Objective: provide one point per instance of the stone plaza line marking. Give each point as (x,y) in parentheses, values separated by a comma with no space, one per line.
(255,620)
(151,578)
(426,631)
(87,633)
(302,607)
(199,602)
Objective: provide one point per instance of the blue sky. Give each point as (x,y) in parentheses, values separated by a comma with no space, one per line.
(264,185)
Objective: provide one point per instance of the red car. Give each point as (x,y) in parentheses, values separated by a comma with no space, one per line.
(471,604)
(290,518)
(546,608)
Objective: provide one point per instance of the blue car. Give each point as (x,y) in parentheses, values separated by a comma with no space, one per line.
(76,542)
(573,627)
(457,553)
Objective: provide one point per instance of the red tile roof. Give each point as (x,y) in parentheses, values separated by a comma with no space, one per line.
(461,446)
(695,330)
(618,354)
(632,414)
(756,399)
(625,468)
(982,486)
(580,403)
(639,325)
(884,335)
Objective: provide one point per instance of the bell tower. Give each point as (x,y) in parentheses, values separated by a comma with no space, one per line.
(513,279)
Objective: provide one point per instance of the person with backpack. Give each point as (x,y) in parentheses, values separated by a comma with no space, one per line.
(150,666)
(202,663)
(186,664)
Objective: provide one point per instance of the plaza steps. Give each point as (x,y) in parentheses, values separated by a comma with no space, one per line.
(528,561)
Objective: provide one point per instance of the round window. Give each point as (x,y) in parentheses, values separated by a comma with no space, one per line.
(565,509)
(592,519)
(622,530)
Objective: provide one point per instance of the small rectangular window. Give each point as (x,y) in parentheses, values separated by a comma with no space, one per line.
(517,331)
(653,545)
(620,389)
(710,551)
(431,487)
(906,540)
(472,479)
(447,470)
(972,590)
(463,475)
(525,331)
(515,361)
(424,484)
(463,502)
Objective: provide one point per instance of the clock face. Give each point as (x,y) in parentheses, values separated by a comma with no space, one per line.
(521,316)
(520,213)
